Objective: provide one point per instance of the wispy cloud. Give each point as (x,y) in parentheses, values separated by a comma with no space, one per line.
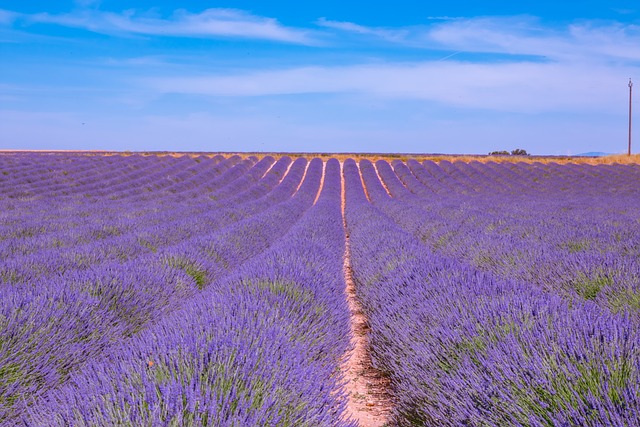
(397,35)
(137,61)
(517,35)
(588,41)
(527,36)
(7,17)
(87,3)
(209,23)
(444,18)
(624,11)
(525,86)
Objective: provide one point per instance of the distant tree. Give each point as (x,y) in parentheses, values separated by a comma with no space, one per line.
(499,153)
(519,152)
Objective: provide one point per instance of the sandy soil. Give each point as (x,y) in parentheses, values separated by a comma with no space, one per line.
(370,401)
(324,169)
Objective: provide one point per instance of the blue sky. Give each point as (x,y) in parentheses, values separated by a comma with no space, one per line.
(401,76)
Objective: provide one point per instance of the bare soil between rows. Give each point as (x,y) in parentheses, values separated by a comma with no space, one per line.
(369,397)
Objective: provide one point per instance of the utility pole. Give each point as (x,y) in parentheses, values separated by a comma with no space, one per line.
(630,93)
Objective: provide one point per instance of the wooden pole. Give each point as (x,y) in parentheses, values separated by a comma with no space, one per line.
(630,94)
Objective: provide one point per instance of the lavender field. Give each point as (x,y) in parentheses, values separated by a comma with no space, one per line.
(210,290)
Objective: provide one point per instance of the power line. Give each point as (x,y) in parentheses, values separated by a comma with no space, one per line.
(630,95)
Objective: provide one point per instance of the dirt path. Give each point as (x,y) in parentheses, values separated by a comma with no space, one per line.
(368,391)
(324,169)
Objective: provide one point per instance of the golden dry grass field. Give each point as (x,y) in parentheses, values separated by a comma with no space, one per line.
(609,159)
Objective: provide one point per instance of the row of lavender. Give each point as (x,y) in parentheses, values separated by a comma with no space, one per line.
(579,236)
(181,291)
(475,177)
(260,347)
(468,345)
(105,283)
(61,287)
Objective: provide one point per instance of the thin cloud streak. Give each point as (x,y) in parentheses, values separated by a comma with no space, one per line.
(526,36)
(137,62)
(519,35)
(527,87)
(586,41)
(7,17)
(88,3)
(350,27)
(209,23)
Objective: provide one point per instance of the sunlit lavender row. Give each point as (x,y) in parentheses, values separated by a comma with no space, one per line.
(466,343)
(110,281)
(570,229)
(210,290)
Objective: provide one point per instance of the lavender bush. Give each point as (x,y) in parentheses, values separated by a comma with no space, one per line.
(262,347)
(182,290)
(463,347)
